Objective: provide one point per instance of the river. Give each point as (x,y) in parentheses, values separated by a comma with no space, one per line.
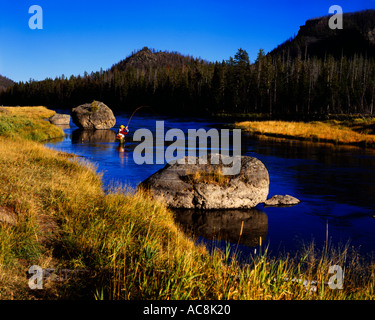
(336,186)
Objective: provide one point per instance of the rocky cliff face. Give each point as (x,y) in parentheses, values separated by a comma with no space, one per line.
(371,36)
(5,83)
(315,38)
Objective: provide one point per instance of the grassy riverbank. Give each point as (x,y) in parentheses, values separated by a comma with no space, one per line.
(359,132)
(27,123)
(124,245)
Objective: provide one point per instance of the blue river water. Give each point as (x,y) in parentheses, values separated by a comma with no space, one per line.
(336,186)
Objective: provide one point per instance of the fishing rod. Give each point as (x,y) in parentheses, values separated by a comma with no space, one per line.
(135,112)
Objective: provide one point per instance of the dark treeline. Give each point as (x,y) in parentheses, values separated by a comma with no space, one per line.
(172,83)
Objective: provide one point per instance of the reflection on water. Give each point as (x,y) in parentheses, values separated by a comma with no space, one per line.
(343,173)
(225,225)
(93,136)
(121,148)
(62,126)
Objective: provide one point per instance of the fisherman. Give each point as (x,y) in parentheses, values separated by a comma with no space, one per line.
(123,131)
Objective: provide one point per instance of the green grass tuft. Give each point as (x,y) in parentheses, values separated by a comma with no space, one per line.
(94,106)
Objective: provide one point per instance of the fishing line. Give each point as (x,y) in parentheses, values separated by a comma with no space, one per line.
(135,112)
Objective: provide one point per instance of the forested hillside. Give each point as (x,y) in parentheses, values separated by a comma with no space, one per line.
(5,83)
(280,83)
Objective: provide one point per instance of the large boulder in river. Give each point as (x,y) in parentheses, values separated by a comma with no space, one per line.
(203,186)
(95,115)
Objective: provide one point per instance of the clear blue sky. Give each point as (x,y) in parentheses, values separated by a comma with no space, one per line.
(83,35)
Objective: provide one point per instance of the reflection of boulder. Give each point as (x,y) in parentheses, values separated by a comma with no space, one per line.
(225,224)
(62,126)
(95,115)
(93,136)
(203,186)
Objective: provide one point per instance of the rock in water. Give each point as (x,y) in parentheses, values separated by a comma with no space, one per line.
(203,186)
(95,115)
(279,200)
(60,119)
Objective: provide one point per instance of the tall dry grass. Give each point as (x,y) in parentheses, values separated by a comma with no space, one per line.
(341,132)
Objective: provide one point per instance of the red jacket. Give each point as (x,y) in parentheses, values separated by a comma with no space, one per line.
(124,131)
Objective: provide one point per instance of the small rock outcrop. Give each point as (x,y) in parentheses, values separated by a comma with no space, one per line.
(203,186)
(7,216)
(95,115)
(60,119)
(279,200)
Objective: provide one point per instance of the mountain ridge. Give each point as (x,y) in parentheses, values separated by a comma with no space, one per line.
(147,57)
(315,38)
